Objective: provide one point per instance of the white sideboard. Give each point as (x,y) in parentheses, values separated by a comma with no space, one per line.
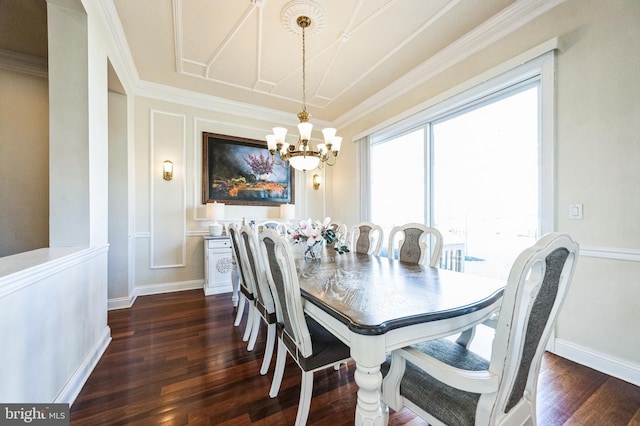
(218,265)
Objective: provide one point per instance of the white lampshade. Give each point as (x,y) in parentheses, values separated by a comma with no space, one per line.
(280,133)
(285,147)
(305,130)
(329,133)
(304,163)
(287,211)
(271,142)
(337,142)
(215,211)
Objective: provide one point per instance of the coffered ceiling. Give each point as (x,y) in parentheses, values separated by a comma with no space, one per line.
(246,50)
(359,53)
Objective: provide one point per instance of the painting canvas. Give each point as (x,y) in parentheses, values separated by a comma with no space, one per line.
(241,171)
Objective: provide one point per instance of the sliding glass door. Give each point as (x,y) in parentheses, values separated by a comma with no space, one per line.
(473,172)
(485,180)
(398,179)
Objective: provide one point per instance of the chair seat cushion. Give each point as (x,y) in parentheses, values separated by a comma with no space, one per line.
(269,317)
(327,349)
(449,405)
(244,290)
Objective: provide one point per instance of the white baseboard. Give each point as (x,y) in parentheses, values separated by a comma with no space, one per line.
(621,369)
(72,388)
(146,290)
(120,303)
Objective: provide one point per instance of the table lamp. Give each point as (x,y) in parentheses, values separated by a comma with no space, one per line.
(287,211)
(215,211)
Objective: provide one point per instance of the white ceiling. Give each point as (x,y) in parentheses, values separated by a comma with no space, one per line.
(360,53)
(240,49)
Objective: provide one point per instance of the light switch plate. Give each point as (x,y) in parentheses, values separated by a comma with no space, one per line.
(575,211)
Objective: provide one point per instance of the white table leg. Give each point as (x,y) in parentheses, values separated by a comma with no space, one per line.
(368,352)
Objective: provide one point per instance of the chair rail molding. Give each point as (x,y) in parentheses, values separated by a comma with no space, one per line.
(632,255)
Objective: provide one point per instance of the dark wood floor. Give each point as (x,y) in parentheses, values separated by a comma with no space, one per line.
(177,359)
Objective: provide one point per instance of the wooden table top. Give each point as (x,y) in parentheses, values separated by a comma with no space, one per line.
(373,295)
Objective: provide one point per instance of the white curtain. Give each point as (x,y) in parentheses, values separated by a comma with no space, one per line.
(364,172)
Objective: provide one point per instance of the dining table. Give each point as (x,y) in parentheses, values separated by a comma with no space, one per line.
(376,304)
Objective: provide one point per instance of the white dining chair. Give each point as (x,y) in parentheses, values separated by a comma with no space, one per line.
(417,243)
(447,384)
(280,227)
(311,346)
(263,300)
(366,237)
(246,292)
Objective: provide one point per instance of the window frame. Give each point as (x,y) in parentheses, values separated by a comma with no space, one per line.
(541,69)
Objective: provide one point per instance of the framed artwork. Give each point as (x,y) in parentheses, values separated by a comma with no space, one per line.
(240,171)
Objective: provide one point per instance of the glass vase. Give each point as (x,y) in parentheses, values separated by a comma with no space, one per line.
(314,251)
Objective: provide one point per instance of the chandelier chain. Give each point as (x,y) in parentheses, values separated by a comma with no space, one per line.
(304,76)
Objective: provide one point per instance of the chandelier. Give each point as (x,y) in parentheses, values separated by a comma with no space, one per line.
(303,156)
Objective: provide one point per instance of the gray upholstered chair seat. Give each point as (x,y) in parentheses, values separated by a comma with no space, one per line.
(327,349)
(448,404)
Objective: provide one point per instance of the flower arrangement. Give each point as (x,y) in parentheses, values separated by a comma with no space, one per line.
(259,164)
(313,233)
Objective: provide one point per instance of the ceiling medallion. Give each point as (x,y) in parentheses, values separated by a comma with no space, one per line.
(297,8)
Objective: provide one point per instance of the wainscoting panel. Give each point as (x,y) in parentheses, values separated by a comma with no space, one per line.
(167,210)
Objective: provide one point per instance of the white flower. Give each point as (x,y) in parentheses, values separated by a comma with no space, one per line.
(309,231)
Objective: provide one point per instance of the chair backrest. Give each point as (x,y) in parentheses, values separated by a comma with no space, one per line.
(282,276)
(234,233)
(255,270)
(417,243)
(271,224)
(341,230)
(366,237)
(535,291)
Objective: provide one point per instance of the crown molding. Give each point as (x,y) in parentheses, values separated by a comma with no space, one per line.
(172,94)
(492,30)
(23,63)
(123,61)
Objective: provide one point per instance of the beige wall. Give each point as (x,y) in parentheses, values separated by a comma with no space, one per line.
(597,157)
(169,216)
(24,162)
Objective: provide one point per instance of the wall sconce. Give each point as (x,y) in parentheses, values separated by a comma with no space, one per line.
(317,180)
(167,170)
